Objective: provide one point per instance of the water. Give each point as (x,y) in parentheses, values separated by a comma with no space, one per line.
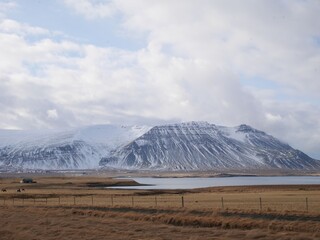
(191,183)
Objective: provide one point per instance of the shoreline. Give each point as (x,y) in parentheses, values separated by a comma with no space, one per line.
(155,174)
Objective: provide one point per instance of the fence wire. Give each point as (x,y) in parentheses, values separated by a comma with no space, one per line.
(305,204)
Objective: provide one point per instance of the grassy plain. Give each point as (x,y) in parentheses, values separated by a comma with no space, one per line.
(68,207)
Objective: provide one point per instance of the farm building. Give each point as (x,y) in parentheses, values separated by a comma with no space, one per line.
(27,180)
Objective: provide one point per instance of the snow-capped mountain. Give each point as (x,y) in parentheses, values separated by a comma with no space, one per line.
(80,148)
(184,146)
(204,146)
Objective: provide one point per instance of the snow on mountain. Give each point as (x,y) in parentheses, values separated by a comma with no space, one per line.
(184,146)
(69,149)
(204,146)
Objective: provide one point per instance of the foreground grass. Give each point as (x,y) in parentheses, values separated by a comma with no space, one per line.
(145,223)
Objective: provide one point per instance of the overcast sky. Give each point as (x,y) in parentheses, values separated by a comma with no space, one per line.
(69,63)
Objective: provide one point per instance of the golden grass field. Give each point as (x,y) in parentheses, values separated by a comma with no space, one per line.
(66,207)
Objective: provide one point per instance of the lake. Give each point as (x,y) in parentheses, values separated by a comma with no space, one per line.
(191,183)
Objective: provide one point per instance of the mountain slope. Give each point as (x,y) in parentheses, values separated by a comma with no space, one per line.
(71,149)
(185,146)
(204,146)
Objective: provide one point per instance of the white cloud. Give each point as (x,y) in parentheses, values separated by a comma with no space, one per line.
(92,9)
(272,39)
(273,118)
(11,26)
(52,113)
(5,7)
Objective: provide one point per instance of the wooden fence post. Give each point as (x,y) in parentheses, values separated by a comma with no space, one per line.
(307,204)
(260,201)
(74,200)
(156,201)
(112,200)
(91,199)
(222,203)
(132,201)
(59,200)
(182,201)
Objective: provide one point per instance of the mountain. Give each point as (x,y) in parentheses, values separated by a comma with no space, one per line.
(204,146)
(80,148)
(184,146)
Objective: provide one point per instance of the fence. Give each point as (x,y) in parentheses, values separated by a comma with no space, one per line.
(174,201)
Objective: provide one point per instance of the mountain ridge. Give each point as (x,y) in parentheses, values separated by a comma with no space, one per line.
(179,146)
(193,146)
(69,149)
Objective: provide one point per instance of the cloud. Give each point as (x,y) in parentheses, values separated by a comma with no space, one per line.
(11,26)
(200,62)
(92,9)
(272,39)
(52,113)
(5,7)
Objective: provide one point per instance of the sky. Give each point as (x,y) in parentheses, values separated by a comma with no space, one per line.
(70,63)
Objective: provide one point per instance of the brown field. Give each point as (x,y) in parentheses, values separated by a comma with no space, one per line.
(66,207)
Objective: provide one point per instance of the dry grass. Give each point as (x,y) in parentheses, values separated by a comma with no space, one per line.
(80,207)
(145,223)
